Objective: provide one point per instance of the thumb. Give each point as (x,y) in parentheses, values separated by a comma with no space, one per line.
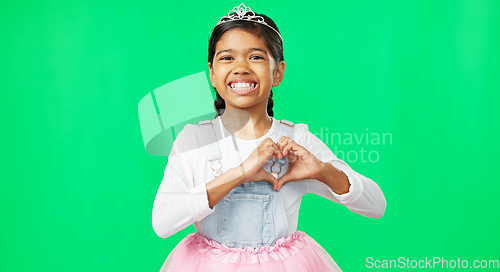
(271,179)
(283,180)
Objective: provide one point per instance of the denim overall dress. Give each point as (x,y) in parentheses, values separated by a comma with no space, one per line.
(252,214)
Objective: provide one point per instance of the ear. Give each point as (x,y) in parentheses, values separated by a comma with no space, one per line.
(212,76)
(278,75)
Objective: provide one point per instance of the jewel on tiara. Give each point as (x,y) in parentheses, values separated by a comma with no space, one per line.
(244,13)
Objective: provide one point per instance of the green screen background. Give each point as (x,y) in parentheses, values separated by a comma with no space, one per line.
(77,186)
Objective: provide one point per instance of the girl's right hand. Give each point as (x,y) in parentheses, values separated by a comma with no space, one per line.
(252,169)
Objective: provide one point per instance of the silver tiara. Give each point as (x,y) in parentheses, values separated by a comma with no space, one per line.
(244,13)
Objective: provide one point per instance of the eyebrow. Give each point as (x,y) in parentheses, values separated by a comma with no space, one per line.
(249,50)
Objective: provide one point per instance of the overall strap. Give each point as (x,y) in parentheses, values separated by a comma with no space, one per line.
(285,129)
(209,141)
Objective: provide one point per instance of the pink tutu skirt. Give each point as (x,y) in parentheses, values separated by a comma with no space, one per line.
(297,252)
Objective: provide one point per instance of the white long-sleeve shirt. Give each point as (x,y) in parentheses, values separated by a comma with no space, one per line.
(182,198)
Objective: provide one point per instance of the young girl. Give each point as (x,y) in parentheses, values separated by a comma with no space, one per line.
(240,177)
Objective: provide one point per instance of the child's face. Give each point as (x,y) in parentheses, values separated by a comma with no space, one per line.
(241,57)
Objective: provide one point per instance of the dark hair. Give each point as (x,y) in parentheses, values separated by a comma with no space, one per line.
(271,39)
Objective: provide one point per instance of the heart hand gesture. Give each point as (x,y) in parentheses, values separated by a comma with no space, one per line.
(302,164)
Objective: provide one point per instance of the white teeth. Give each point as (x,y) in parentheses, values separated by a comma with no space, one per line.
(243,86)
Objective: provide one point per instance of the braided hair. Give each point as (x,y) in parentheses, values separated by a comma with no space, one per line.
(271,39)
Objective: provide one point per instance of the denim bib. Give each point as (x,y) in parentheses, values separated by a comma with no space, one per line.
(252,214)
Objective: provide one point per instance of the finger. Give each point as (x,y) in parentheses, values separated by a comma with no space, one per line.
(279,154)
(270,143)
(292,156)
(290,146)
(282,181)
(297,149)
(281,146)
(271,179)
(283,138)
(269,140)
(272,151)
(283,142)
(275,150)
(266,143)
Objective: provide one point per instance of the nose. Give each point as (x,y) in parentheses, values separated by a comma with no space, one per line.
(241,67)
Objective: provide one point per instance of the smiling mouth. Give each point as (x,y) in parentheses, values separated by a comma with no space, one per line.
(243,87)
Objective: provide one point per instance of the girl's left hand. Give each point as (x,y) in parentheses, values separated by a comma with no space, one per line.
(302,164)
